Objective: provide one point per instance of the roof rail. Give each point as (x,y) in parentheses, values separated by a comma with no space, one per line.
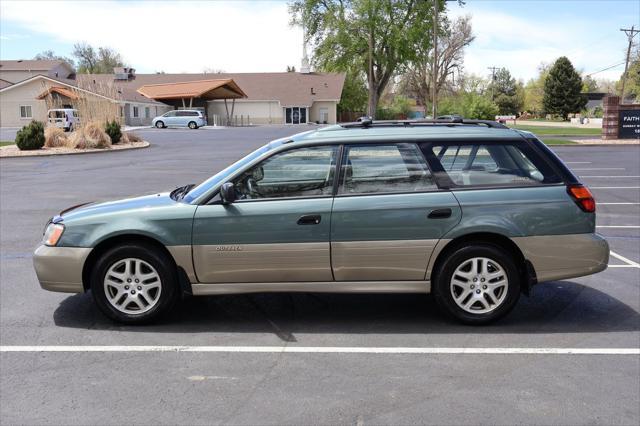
(365,122)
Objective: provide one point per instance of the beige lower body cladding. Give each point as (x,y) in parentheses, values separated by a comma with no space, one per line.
(556,257)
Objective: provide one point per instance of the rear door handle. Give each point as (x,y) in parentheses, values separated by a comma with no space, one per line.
(312,219)
(439,214)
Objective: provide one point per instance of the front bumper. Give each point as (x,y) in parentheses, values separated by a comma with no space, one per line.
(60,268)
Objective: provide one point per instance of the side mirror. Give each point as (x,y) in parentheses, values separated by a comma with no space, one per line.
(227,193)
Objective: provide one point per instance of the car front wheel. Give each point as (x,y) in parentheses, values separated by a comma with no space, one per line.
(477,284)
(159,124)
(134,283)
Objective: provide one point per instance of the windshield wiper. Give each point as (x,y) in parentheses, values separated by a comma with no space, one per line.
(179,193)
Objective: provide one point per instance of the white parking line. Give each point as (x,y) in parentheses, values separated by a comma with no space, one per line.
(614,187)
(577,162)
(330,350)
(618,204)
(602,168)
(611,177)
(628,262)
(618,226)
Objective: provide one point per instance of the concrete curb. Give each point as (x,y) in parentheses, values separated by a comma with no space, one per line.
(583,145)
(95,151)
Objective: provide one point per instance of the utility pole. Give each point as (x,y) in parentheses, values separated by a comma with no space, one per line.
(434,71)
(630,32)
(493,77)
(434,67)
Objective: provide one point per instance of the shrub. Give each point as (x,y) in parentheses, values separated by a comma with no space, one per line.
(469,105)
(128,137)
(31,136)
(113,130)
(54,137)
(89,136)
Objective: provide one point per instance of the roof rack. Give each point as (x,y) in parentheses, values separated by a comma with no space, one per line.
(366,122)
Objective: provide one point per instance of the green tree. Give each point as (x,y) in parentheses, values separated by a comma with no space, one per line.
(506,92)
(562,89)
(377,36)
(632,86)
(470,105)
(354,92)
(49,55)
(96,61)
(589,84)
(534,91)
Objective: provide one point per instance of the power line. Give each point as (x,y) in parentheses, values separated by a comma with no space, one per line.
(604,69)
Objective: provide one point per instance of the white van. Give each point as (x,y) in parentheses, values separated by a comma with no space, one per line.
(64,118)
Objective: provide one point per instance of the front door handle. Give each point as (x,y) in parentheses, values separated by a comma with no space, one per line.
(311,219)
(439,214)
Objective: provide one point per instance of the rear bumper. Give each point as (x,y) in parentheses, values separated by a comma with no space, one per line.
(557,257)
(60,268)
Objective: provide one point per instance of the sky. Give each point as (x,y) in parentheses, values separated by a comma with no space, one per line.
(255,36)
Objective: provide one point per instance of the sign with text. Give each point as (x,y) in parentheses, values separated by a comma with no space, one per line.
(629,125)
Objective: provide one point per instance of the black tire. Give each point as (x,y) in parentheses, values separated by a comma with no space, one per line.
(160,124)
(193,125)
(442,290)
(164,267)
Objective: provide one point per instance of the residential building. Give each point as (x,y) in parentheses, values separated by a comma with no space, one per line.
(266,98)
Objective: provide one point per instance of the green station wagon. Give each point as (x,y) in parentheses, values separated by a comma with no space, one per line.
(471,211)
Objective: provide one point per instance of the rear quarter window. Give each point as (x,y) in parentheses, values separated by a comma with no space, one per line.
(482,164)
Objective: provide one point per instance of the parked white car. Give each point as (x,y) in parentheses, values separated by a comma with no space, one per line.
(64,118)
(180,118)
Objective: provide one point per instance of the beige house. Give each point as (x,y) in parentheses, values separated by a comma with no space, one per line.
(271,98)
(15,71)
(29,88)
(31,98)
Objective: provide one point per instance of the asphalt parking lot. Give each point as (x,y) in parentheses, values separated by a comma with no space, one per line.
(237,384)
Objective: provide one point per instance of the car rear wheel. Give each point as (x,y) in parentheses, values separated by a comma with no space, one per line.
(159,124)
(477,284)
(134,283)
(193,125)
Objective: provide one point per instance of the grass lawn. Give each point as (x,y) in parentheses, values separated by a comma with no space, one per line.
(559,131)
(552,141)
(5,143)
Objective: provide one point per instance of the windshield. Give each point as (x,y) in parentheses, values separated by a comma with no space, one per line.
(221,176)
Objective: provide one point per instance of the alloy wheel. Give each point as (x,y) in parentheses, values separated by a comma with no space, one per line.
(479,285)
(132,286)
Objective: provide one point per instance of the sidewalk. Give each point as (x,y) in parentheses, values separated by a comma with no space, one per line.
(599,141)
(557,124)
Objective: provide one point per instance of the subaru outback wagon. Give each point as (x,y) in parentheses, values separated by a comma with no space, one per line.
(471,211)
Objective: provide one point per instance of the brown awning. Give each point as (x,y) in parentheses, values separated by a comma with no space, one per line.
(62,91)
(205,89)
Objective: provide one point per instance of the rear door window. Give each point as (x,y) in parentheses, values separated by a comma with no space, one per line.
(492,164)
(370,169)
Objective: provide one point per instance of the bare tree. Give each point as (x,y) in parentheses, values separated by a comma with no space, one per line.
(92,61)
(417,80)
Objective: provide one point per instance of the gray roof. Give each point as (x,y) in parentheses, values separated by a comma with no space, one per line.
(290,88)
(29,65)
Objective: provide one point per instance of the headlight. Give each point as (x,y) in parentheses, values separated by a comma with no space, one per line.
(52,234)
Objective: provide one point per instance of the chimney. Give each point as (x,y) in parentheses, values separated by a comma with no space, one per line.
(124,73)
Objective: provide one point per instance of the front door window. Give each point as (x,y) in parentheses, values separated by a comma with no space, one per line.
(303,172)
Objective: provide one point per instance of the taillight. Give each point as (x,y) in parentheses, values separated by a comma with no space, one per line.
(583,197)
